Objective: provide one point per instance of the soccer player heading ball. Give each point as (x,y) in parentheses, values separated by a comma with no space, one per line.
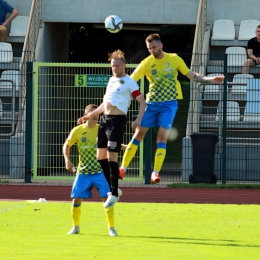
(161,69)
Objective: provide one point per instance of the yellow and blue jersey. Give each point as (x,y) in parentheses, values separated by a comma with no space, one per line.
(162,76)
(86,140)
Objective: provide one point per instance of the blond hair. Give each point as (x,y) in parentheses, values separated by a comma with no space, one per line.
(117,55)
(89,107)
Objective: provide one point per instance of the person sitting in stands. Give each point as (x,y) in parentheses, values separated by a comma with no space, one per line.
(253,51)
(4,9)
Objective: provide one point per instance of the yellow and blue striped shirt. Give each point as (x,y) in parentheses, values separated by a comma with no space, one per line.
(162,75)
(86,140)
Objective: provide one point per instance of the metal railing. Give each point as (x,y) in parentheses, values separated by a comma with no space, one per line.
(198,62)
(28,55)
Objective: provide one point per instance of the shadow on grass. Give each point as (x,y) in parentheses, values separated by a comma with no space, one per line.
(197,241)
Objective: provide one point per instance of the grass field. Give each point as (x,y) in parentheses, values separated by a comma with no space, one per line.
(146,231)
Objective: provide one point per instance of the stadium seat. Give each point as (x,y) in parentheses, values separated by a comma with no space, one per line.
(247,29)
(14,75)
(233,111)
(19,26)
(252,109)
(6,52)
(213,88)
(223,30)
(236,56)
(241,79)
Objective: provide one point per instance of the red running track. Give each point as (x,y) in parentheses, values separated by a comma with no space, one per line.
(137,194)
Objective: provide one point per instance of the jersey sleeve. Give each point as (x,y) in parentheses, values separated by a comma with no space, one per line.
(71,139)
(138,72)
(182,67)
(8,8)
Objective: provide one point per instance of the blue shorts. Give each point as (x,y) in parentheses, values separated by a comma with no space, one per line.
(159,115)
(84,183)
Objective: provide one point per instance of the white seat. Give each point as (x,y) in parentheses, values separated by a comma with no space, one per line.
(252,109)
(247,29)
(223,30)
(13,75)
(236,56)
(233,111)
(6,52)
(213,88)
(19,26)
(241,79)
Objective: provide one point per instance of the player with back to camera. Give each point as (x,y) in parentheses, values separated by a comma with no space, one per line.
(119,92)
(89,173)
(161,69)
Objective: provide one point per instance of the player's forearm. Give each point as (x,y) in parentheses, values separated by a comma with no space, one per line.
(98,110)
(142,106)
(196,77)
(66,153)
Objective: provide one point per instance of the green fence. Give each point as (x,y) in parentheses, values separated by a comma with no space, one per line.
(61,93)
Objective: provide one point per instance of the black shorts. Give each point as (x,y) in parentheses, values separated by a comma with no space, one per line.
(111,131)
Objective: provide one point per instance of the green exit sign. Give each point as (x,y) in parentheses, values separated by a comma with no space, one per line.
(93,80)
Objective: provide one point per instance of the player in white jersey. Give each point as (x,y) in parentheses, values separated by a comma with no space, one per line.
(119,92)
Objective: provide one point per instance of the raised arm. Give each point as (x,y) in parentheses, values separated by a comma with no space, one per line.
(196,77)
(96,112)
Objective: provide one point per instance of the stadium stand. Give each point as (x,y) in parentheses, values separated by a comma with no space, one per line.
(19,26)
(13,75)
(211,90)
(252,109)
(223,30)
(6,52)
(236,56)
(240,79)
(247,29)
(233,111)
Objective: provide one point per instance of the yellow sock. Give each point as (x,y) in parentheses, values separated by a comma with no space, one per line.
(110,217)
(159,158)
(76,212)
(129,154)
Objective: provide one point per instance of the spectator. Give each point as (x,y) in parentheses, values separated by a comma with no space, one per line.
(253,51)
(4,9)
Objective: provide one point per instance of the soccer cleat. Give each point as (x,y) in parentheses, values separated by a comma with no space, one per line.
(111,201)
(155,178)
(120,193)
(112,232)
(121,173)
(75,230)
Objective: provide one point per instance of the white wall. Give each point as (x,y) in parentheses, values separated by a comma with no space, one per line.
(22,6)
(236,10)
(141,11)
(131,11)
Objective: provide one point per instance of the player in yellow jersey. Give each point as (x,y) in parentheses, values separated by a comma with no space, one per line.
(161,69)
(89,173)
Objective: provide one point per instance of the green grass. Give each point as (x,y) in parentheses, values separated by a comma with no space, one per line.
(146,231)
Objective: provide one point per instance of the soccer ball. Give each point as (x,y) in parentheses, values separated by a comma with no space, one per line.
(113,23)
(173,134)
